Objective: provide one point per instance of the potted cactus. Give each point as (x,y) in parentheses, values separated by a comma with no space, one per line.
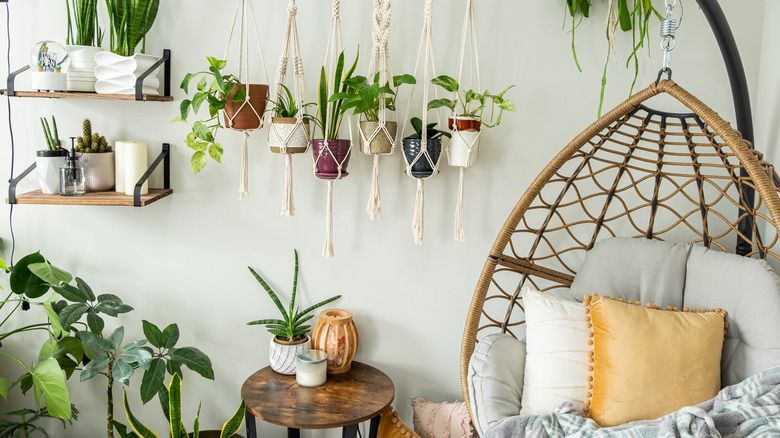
(97,159)
(48,161)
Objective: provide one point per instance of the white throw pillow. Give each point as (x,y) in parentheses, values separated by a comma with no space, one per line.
(556,363)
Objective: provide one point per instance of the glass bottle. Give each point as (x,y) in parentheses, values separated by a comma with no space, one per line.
(72,179)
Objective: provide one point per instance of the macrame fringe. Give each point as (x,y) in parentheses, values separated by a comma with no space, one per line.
(374,207)
(243,187)
(327,250)
(288,203)
(460,236)
(419,217)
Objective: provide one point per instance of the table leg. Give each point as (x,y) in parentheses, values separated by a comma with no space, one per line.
(293,432)
(349,431)
(251,426)
(373,427)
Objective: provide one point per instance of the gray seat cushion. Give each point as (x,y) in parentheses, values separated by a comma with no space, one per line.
(749,290)
(634,269)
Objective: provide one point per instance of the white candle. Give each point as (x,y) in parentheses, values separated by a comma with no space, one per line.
(311,368)
(119,166)
(135,166)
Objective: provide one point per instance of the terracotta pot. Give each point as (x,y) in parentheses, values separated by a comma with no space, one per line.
(422,168)
(285,129)
(461,123)
(48,163)
(336,335)
(99,170)
(381,143)
(327,165)
(282,354)
(242,116)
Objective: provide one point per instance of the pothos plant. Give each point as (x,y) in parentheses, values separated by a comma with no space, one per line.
(364,97)
(214,89)
(472,104)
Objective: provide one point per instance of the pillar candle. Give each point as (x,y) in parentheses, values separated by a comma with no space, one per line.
(119,166)
(135,166)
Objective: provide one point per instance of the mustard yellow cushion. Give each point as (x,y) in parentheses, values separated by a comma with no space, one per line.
(648,362)
(391,426)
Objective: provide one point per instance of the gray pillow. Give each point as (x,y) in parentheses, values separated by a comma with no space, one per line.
(495,379)
(634,269)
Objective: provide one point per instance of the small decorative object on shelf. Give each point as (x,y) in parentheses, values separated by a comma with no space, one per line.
(133,165)
(336,334)
(97,158)
(290,332)
(49,62)
(311,368)
(72,174)
(49,161)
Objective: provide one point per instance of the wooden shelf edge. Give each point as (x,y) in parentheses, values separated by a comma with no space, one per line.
(95,198)
(87,95)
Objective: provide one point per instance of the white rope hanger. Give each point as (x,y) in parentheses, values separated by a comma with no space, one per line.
(465,139)
(244,9)
(384,133)
(290,138)
(425,53)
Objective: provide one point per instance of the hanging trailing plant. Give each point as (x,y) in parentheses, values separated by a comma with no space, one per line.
(634,17)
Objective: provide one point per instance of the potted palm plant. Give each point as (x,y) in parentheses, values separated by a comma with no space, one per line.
(291,333)
(331,154)
(223,93)
(471,117)
(48,161)
(422,165)
(284,131)
(97,158)
(83,41)
(117,69)
(365,99)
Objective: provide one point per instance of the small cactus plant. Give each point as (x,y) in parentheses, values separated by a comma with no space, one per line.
(90,142)
(52,137)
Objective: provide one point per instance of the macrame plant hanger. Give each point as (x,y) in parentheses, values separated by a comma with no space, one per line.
(288,135)
(378,137)
(334,154)
(249,112)
(425,163)
(463,148)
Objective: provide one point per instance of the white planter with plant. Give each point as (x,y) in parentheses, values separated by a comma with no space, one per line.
(285,133)
(291,331)
(83,41)
(48,161)
(118,69)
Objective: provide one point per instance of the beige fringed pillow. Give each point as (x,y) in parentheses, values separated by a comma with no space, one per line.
(441,420)
(648,362)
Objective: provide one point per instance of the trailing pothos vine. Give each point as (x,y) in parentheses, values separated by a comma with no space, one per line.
(634,16)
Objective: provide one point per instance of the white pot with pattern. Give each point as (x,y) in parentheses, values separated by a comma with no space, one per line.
(282,354)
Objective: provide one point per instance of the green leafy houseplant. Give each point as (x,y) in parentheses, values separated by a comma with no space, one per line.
(129,21)
(330,99)
(170,402)
(26,425)
(83,17)
(365,97)
(286,106)
(292,326)
(472,104)
(213,88)
(431,130)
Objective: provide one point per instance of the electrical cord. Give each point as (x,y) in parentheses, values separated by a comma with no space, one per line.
(10,128)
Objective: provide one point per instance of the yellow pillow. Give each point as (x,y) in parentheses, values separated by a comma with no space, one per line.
(390,426)
(647,362)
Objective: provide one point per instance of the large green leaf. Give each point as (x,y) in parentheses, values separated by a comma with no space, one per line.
(198,161)
(54,348)
(94,366)
(234,423)
(153,379)
(170,336)
(153,334)
(138,427)
(4,388)
(202,131)
(71,314)
(174,401)
(137,355)
(50,274)
(48,379)
(54,319)
(122,430)
(95,323)
(446,82)
(195,360)
(22,280)
(72,293)
(115,338)
(85,288)
(122,371)
(95,343)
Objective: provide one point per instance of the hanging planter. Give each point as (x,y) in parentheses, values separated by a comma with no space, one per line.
(331,159)
(465,141)
(286,135)
(374,139)
(245,113)
(422,163)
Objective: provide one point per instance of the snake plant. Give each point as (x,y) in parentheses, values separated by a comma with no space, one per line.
(129,21)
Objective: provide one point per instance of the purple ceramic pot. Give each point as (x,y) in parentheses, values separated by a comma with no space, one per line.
(330,157)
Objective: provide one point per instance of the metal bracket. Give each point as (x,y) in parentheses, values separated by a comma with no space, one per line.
(165,157)
(139,83)
(11,78)
(12,183)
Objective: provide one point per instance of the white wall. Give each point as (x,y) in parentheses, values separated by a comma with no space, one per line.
(184,258)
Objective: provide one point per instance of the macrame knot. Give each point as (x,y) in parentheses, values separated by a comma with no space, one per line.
(282,68)
(336,6)
(428,12)
(292,9)
(298,66)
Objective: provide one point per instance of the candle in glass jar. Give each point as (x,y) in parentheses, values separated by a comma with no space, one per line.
(311,368)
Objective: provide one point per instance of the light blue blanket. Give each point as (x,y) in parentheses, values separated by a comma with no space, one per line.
(750,408)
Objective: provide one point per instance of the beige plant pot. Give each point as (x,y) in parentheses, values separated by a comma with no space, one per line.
(99,170)
(282,354)
(381,143)
(286,130)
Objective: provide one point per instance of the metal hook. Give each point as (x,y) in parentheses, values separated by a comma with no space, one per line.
(668,72)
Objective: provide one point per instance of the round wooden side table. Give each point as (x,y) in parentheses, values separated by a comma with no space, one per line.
(345,400)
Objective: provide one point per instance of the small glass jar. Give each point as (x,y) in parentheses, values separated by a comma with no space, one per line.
(311,368)
(72,179)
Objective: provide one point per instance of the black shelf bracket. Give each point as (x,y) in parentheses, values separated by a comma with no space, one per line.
(12,78)
(165,157)
(139,83)
(13,182)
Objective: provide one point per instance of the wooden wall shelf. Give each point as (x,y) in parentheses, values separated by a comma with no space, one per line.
(94,198)
(88,95)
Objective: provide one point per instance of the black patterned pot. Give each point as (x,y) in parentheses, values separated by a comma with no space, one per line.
(422,168)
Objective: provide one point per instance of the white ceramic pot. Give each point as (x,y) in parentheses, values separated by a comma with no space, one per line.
(283,129)
(48,164)
(282,356)
(463,148)
(81,73)
(117,74)
(48,81)
(99,170)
